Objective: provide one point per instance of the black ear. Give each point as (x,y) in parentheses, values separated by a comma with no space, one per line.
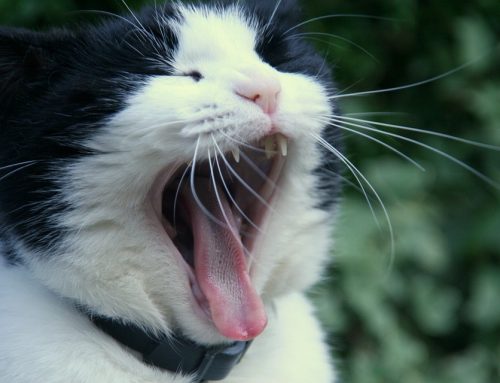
(26,62)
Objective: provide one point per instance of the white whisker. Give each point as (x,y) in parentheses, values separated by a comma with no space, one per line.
(376,114)
(429,132)
(351,166)
(335,16)
(240,210)
(140,27)
(12,172)
(18,164)
(306,34)
(259,171)
(217,196)
(390,147)
(407,86)
(350,86)
(243,182)
(193,189)
(429,147)
(344,179)
(272,16)
(327,146)
(244,144)
(177,192)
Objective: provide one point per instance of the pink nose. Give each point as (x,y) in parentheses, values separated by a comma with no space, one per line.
(261,87)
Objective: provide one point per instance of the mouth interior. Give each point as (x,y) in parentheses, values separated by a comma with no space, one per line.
(212,214)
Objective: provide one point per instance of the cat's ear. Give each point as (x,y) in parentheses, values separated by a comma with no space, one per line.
(26,61)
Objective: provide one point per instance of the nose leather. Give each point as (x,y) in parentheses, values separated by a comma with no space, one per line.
(260,86)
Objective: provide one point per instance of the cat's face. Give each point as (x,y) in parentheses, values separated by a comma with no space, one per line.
(179,183)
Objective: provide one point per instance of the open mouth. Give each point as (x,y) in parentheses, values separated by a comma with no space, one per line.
(213,213)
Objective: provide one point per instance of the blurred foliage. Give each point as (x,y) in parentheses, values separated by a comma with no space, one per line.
(431,313)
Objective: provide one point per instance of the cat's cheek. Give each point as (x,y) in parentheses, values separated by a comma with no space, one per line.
(304,106)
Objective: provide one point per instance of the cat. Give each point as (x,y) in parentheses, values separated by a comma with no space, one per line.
(165,178)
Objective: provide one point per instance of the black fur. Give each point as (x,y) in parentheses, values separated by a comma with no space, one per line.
(60,87)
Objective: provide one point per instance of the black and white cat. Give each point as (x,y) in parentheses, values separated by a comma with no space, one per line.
(161,173)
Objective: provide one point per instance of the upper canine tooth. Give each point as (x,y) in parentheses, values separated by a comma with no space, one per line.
(236,154)
(283,144)
(269,144)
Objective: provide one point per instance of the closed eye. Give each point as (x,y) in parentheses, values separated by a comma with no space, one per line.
(195,75)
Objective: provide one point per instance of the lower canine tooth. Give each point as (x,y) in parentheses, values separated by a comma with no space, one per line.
(283,144)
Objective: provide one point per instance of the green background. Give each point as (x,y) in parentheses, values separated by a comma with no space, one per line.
(432,314)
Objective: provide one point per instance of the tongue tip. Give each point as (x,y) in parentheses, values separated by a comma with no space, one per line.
(245,332)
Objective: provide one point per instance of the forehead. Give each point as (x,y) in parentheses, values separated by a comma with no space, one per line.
(205,32)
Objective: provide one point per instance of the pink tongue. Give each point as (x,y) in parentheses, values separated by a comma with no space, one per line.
(221,267)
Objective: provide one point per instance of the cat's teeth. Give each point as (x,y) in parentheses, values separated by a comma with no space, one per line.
(282,144)
(269,144)
(236,154)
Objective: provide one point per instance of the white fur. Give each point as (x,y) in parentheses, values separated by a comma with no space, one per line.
(116,259)
(42,336)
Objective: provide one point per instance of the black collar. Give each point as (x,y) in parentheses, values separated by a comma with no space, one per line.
(176,353)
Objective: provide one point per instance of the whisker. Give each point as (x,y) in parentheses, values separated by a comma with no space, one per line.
(195,194)
(152,129)
(407,86)
(350,86)
(133,48)
(259,171)
(390,147)
(344,179)
(429,132)
(240,210)
(305,34)
(320,70)
(242,181)
(140,27)
(217,196)
(348,163)
(105,13)
(431,148)
(376,114)
(329,147)
(139,24)
(244,144)
(179,187)
(272,16)
(323,41)
(18,164)
(17,170)
(359,16)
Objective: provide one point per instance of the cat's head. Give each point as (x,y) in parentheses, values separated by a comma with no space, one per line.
(166,168)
